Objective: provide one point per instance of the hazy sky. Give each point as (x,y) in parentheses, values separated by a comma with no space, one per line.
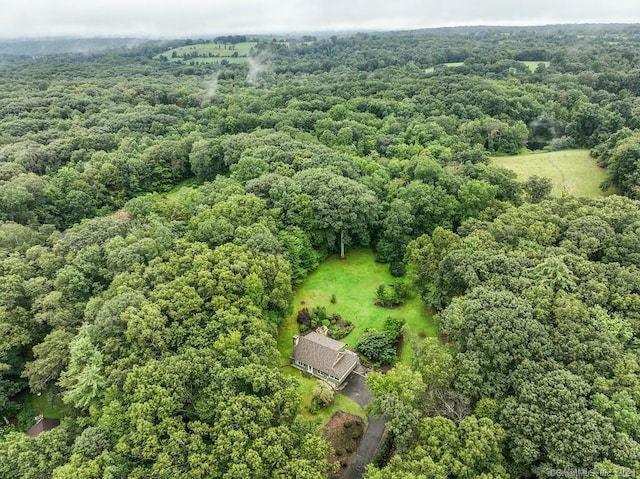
(191,17)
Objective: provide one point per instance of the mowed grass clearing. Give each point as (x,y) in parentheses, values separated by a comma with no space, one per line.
(534,65)
(575,172)
(210,52)
(354,281)
(440,65)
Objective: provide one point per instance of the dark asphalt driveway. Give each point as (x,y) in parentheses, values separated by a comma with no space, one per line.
(357,390)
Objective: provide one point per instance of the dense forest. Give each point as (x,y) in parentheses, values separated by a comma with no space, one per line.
(156,218)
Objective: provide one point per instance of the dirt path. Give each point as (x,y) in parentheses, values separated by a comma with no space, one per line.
(357,390)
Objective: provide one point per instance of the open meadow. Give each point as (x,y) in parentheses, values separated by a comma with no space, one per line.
(210,52)
(575,172)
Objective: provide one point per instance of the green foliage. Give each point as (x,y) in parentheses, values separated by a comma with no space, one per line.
(33,458)
(622,166)
(377,347)
(83,379)
(50,359)
(391,295)
(90,443)
(537,188)
(435,364)
(322,394)
(380,346)
(536,330)
(343,208)
(444,449)
(555,402)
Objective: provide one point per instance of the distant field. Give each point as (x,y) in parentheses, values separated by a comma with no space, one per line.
(354,281)
(573,171)
(533,65)
(210,52)
(449,65)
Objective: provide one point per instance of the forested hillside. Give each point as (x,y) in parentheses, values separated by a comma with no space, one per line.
(156,218)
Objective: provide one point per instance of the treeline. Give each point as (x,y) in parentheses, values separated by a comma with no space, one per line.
(60,124)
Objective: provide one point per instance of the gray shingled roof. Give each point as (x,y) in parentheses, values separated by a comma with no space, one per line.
(325,341)
(43,425)
(324,354)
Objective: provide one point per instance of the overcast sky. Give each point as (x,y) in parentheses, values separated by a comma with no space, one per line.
(162,18)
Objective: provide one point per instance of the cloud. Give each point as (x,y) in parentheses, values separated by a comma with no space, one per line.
(154,18)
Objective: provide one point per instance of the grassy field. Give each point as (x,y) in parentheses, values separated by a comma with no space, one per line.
(572,171)
(449,65)
(210,52)
(354,281)
(533,65)
(322,416)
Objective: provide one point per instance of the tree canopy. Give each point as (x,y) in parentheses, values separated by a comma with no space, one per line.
(156,217)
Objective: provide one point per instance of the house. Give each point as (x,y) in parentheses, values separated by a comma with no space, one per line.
(323,357)
(42,425)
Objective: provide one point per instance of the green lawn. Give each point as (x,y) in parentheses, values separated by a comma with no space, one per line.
(573,171)
(354,281)
(210,52)
(321,417)
(52,411)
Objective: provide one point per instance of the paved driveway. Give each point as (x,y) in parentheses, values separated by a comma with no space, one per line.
(357,390)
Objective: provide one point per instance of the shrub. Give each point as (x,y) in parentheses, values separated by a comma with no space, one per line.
(397,268)
(337,332)
(304,317)
(377,347)
(562,143)
(393,328)
(385,296)
(322,394)
(333,298)
(401,289)
(392,295)
(320,313)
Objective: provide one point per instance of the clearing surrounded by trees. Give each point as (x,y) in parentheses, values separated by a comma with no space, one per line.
(574,171)
(354,281)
